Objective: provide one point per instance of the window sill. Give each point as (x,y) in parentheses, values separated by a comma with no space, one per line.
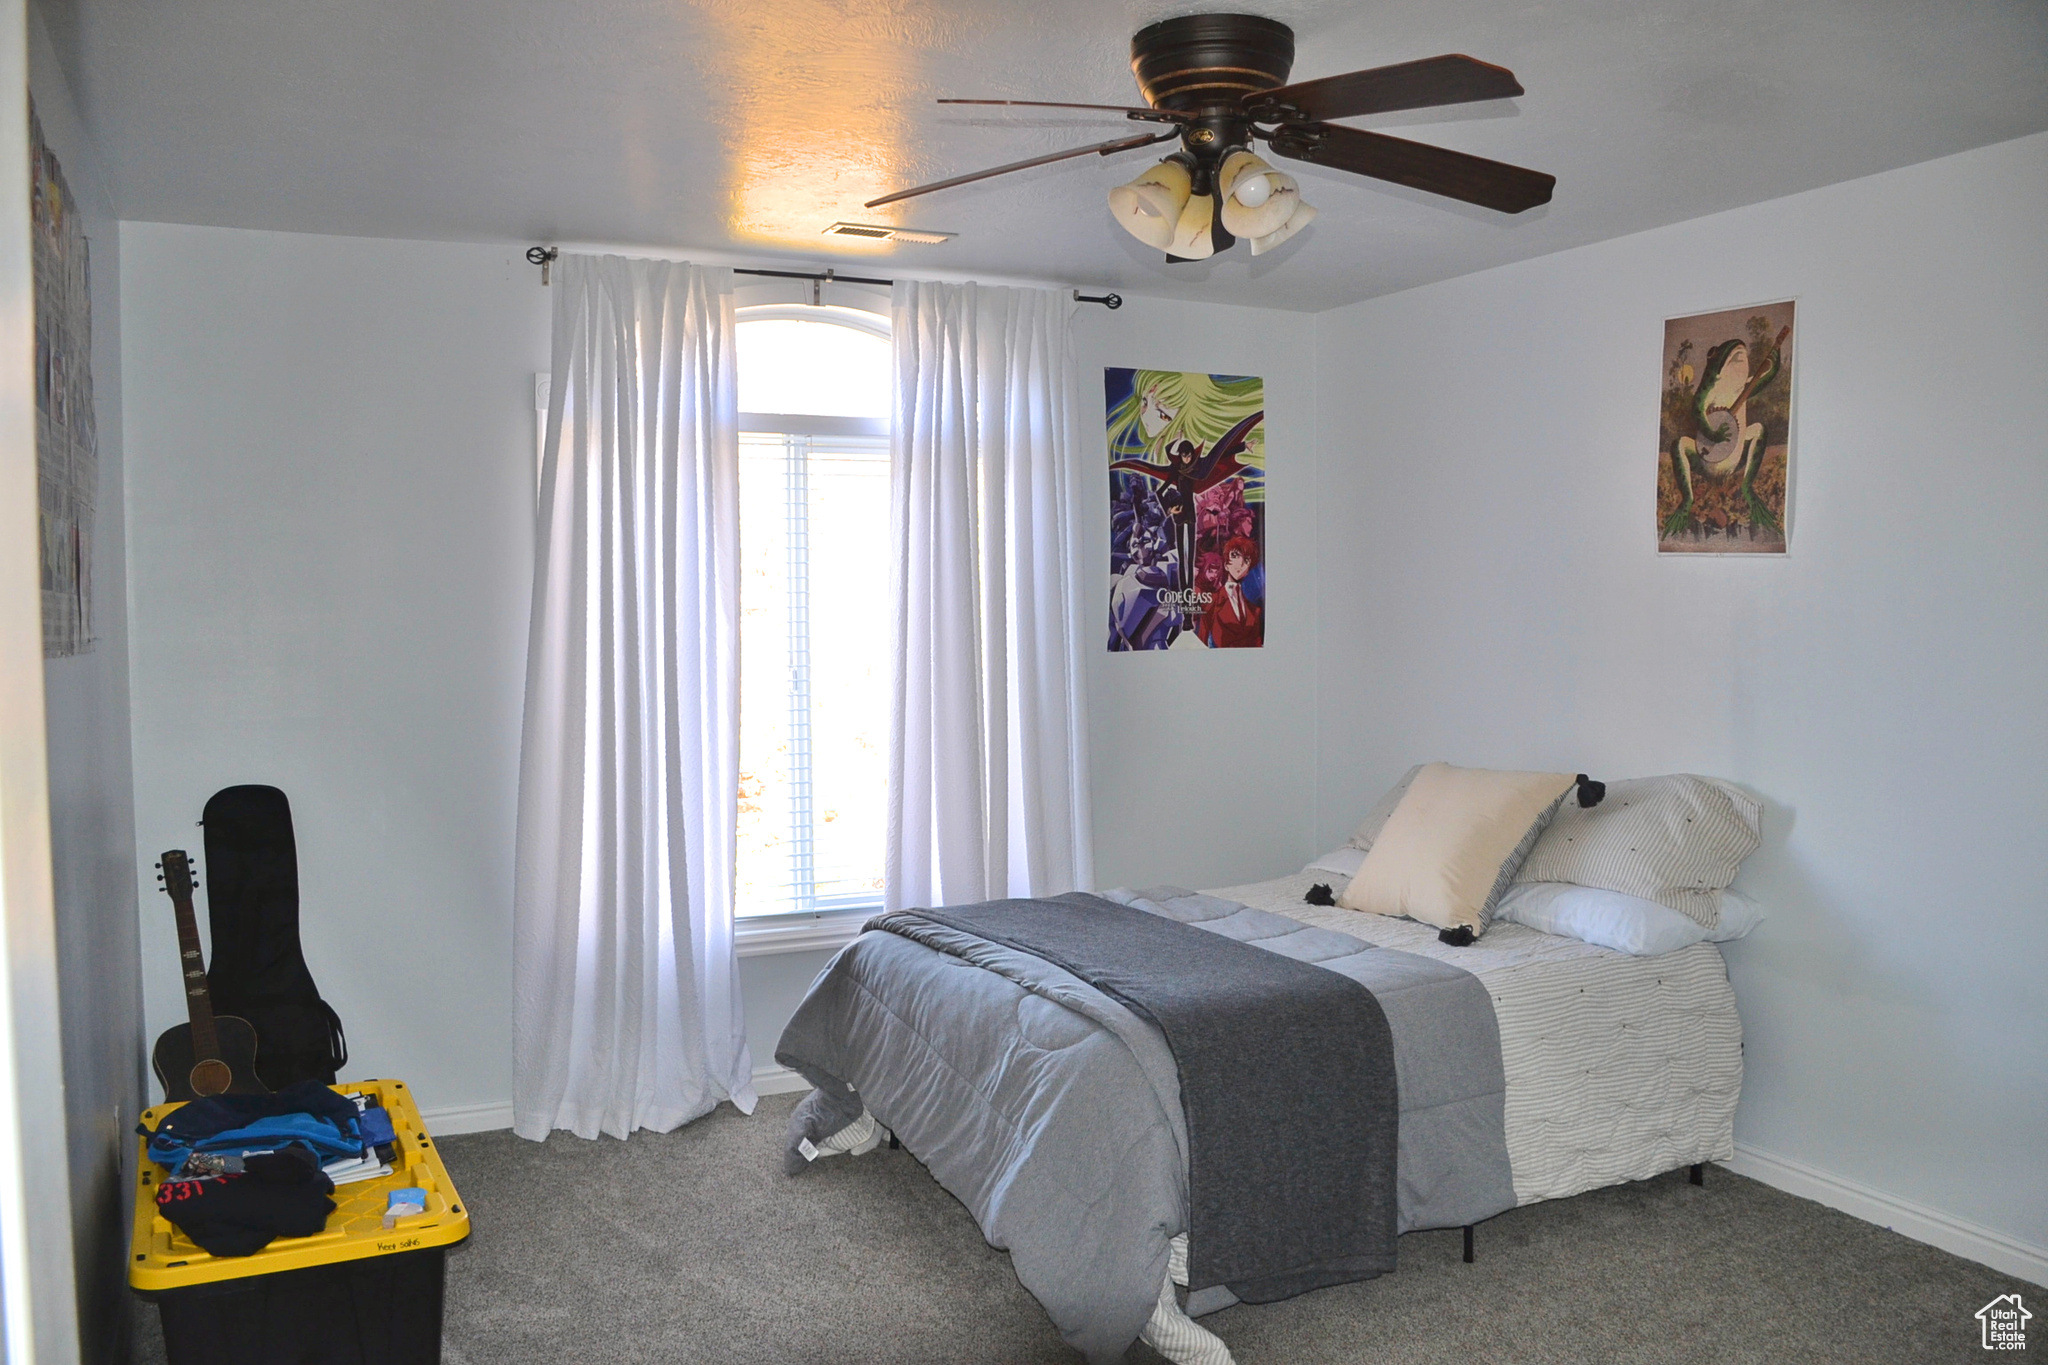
(764,935)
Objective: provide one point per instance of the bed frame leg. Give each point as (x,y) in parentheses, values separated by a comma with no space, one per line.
(1468,1244)
(1698,1174)
(894,1144)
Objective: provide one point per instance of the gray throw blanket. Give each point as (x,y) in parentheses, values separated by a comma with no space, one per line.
(1286,1081)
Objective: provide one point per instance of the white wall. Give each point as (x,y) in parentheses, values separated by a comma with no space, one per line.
(1492,595)
(331,481)
(92,831)
(37,1304)
(1204,759)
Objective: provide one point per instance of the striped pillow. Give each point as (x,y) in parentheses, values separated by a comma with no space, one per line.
(1376,818)
(1676,840)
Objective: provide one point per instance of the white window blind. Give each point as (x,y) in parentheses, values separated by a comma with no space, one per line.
(814,675)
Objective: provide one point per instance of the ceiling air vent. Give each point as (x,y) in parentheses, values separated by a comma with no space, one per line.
(877,232)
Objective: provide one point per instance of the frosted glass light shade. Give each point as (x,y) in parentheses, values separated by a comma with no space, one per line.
(1192,236)
(1256,198)
(1244,174)
(1304,214)
(1149,207)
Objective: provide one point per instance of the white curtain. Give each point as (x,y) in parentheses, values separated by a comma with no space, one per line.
(626,1008)
(988,782)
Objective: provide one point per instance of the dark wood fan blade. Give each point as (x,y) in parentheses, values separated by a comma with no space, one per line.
(1123,144)
(1131,111)
(1450,79)
(1439,170)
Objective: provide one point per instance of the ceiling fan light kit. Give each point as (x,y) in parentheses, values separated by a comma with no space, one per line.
(1219,83)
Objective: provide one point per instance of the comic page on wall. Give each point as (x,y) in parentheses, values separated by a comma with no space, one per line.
(67,441)
(1187,510)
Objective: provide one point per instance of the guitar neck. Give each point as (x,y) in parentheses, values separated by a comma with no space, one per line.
(192,966)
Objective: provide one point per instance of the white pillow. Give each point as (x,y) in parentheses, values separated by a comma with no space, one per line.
(1453,844)
(1676,840)
(1342,861)
(1606,919)
(1739,915)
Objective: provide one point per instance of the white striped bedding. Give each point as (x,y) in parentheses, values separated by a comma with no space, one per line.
(1618,1068)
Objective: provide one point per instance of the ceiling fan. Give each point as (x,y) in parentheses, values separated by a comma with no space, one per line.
(1220,82)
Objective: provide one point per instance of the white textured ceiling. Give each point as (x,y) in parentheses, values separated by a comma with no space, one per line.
(747,125)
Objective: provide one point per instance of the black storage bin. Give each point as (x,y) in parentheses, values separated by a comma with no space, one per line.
(362,1291)
(377,1310)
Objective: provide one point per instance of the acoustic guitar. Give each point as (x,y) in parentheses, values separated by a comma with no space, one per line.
(212,1054)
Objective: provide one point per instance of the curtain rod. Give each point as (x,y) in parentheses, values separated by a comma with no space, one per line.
(544,256)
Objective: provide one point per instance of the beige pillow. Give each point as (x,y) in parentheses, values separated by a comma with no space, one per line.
(1454,844)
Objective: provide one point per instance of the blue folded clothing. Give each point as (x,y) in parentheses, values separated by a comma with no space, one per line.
(306,1113)
(377,1129)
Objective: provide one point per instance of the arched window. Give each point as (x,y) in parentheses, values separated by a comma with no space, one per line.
(814,397)
(813,361)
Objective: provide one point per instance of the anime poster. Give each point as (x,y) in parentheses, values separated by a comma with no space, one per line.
(1725,448)
(1187,510)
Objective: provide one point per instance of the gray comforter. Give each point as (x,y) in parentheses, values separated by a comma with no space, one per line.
(1054,1112)
(1287,1085)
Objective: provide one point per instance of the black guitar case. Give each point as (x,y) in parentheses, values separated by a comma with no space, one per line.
(258,970)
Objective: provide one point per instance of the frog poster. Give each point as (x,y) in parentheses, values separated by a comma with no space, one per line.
(1724,456)
(1187,510)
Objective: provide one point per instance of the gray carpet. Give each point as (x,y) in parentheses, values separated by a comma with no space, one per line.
(693,1247)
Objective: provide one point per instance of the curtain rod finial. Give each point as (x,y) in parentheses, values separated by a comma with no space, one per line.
(542,256)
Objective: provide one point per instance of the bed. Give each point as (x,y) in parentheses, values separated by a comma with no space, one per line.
(1053,1114)
(1618,1068)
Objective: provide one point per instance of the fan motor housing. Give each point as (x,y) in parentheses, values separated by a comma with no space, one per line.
(1202,62)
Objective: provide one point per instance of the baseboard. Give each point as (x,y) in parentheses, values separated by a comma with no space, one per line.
(467,1118)
(778,1080)
(1917,1221)
(488,1118)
